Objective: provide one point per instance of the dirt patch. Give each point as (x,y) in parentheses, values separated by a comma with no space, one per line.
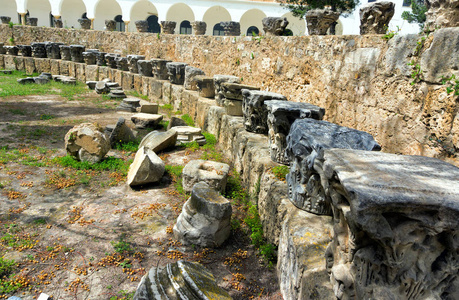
(83,234)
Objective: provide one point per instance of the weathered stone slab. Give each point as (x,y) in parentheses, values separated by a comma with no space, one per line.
(205,86)
(158,141)
(146,168)
(87,142)
(189,103)
(80,72)
(397,232)
(143,120)
(233,91)
(180,280)
(255,113)
(10,62)
(190,77)
(375,17)
(127,81)
(188,134)
(281,115)
(64,67)
(55,66)
(128,104)
(214,120)
(176,72)
(306,142)
(215,174)
(205,218)
(155,89)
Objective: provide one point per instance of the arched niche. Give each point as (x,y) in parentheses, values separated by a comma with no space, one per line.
(105,10)
(71,11)
(40,9)
(9,9)
(143,10)
(250,18)
(179,12)
(215,15)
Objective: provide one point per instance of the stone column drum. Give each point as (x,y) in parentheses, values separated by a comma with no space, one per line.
(168,27)
(159,68)
(274,26)
(396,220)
(53,50)
(319,20)
(144,67)
(176,72)
(132,62)
(375,17)
(255,114)
(199,27)
(38,50)
(281,115)
(307,140)
(65,52)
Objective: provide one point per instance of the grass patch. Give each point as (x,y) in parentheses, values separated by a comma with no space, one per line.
(129,146)
(46,117)
(137,94)
(164,124)
(280,172)
(107,164)
(188,120)
(176,174)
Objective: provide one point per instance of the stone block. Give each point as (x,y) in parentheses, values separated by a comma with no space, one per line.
(146,168)
(188,134)
(80,72)
(76,53)
(306,142)
(233,107)
(159,69)
(215,174)
(214,120)
(144,120)
(205,86)
(167,92)
(254,111)
(10,62)
(119,133)
(201,111)
(127,81)
(205,219)
(155,89)
(176,96)
(145,68)
(118,76)
(145,86)
(38,50)
(55,69)
(92,72)
(122,63)
(281,115)
(233,91)
(174,122)
(132,63)
(2,61)
(176,72)
(65,67)
(395,234)
(218,81)
(29,65)
(149,108)
(137,84)
(190,77)
(72,69)
(158,141)
(112,74)
(189,103)
(104,73)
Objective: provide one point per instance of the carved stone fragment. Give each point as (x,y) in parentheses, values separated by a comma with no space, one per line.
(38,50)
(110,25)
(122,63)
(274,25)
(234,90)
(158,141)
(375,17)
(89,58)
(85,23)
(87,142)
(307,140)
(146,168)
(442,13)
(5,19)
(120,133)
(100,58)
(205,85)
(65,52)
(395,229)
(53,50)
(25,50)
(76,52)
(255,114)
(159,68)
(205,218)
(141,25)
(110,58)
(168,27)
(176,72)
(190,77)
(231,28)
(319,20)
(132,62)
(280,117)
(11,50)
(144,67)
(199,27)
(218,80)
(58,23)
(215,174)
(32,21)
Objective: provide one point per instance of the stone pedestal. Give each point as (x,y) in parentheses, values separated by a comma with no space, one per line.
(5,19)
(205,85)
(306,142)
(190,77)
(375,17)
(231,28)
(441,14)
(255,113)
(168,27)
(144,67)
(110,25)
(122,63)
(319,20)
(89,58)
(395,225)
(274,26)
(281,115)
(159,68)
(38,50)
(32,21)
(76,53)
(85,23)
(141,25)
(25,50)
(65,52)
(176,72)
(199,27)
(132,62)
(215,174)
(53,50)
(110,59)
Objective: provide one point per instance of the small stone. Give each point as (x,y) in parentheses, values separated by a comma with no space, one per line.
(149,108)
(146,168)
(143,120)
(215,174)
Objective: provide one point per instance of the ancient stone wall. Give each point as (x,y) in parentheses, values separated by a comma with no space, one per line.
(363,82)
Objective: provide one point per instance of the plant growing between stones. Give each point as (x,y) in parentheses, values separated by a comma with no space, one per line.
(280,172)
(188,120)
(452,84)
(390,33)
(416,74)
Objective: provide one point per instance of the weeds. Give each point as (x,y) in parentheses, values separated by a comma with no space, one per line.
(188,120)
(452,84)
(129,146)
(176,174)
(280,172)
(108,164)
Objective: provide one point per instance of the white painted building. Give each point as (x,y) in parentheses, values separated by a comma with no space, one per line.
(126,12)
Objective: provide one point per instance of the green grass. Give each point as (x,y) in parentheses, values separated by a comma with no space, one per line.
(188,120)
(176,173)
(136,94)
(9,155)
(10,87)
(280,172)
(107,164)
(129,146)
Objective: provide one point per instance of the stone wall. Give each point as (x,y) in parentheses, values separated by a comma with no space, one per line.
(363,82)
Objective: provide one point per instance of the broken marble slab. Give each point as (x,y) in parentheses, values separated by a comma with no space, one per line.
(146,168)
(233,91)
(215,174)
(307,140)
(255,113)
(281,115)
(205,219)
(176,72)
(143,120)
(189,134)
(395,229)
(158,141)
(180,280)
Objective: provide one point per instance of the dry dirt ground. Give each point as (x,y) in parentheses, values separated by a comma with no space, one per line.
(83,234)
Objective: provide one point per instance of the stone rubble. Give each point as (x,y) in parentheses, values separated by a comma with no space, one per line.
(158,141)
(144,120)
(215,174)
(146,168)
(87,142)
(375,17)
